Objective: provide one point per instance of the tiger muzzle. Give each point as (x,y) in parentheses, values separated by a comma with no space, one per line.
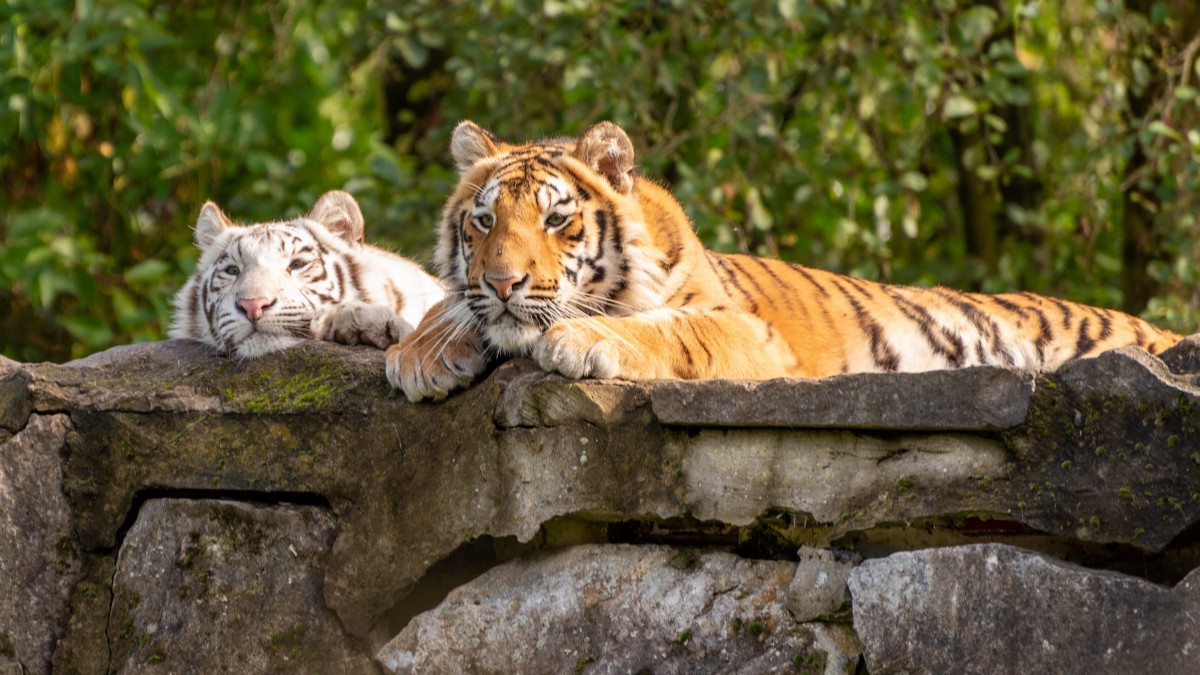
(504,287)
(254,308)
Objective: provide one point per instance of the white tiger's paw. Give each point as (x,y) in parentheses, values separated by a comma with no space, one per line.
(426,368)
(576,348)
(353,323)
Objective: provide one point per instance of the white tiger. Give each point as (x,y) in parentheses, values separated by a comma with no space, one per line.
(265,287)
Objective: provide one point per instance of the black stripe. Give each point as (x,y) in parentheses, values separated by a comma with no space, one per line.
(734,281)
(687,353)
(340,273)
(1010,306)
(1065,308)
(1139,333)
(881,352)
(1105,324)
(601,232)
(709,255)
(356,277)
(809,278)
(1043,337)
(1085,342)
(953,351)
(762,293)
(986,326)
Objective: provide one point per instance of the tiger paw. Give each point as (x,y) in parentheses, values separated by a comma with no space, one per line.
(353,323)
(428,365)
(578,348)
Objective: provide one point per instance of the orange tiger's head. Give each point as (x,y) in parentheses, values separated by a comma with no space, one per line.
(545,230)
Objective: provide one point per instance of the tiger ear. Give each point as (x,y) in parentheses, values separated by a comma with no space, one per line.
(211,223)
(608,151)
(471,143)
(339,213)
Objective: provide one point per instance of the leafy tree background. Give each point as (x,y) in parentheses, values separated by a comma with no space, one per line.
(994,145)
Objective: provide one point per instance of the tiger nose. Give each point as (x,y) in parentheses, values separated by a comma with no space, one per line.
(504,287)
(253,307)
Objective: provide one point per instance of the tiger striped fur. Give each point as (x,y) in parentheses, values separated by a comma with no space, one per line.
(265,287)
(558,250)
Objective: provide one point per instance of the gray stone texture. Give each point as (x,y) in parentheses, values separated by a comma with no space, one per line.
(977,399)
(997,609)
(208,586)
(39,561)
(818,590)
(622,609)
(1104,465)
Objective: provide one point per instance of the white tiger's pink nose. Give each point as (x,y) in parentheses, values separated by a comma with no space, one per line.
(253,307)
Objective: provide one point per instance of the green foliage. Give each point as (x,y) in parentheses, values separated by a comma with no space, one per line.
(992,145)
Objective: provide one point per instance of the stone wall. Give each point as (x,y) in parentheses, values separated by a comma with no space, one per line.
(166,510)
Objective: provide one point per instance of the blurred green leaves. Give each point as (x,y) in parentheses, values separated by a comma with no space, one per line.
(977,144)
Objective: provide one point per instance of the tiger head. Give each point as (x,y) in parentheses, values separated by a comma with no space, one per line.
(546,230)
(258,288)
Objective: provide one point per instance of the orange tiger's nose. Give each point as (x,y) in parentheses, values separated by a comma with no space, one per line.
(504,287)
(253,307)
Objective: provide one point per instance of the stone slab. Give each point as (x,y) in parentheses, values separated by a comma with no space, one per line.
(977,399)
(622,609)
(39,560)
(210,586)
(992,608)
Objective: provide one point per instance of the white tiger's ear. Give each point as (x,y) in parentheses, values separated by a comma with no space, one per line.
(608,151)
(339,213)
(471,143)
(211,223)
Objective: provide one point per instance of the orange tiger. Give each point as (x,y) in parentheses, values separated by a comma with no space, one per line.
(558,250)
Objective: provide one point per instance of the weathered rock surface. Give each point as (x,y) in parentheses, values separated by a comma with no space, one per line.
(819,588)
(1103,468)
(38,561)
(992,608)
(977,399)
(622,609)
(211,586)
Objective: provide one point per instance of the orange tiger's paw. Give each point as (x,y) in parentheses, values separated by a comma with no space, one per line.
(428,369)
(578,348)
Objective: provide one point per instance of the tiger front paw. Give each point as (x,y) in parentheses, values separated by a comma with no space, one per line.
(428,366)
(579,348)
(355,323)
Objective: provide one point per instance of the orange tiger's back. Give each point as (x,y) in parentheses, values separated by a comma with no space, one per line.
(559,251)
(833,324)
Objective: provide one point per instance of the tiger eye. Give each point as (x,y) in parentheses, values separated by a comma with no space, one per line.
(485,220)
(232,270)
(297,264)
(555,219)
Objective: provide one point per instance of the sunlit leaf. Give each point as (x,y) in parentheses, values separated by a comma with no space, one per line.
(958,106)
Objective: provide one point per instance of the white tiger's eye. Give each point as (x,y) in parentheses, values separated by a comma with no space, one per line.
(484,221)
(297,264)
(555,220)
(232,270)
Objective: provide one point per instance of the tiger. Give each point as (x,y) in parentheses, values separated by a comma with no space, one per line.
(560,251)
(264,287)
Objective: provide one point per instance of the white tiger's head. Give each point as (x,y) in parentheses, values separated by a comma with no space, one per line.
(258,288)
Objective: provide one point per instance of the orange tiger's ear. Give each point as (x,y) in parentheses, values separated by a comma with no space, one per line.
(211,223)
(608,151)
(339,213)
(471,143)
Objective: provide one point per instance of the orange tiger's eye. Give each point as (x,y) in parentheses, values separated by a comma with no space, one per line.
(555,220)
